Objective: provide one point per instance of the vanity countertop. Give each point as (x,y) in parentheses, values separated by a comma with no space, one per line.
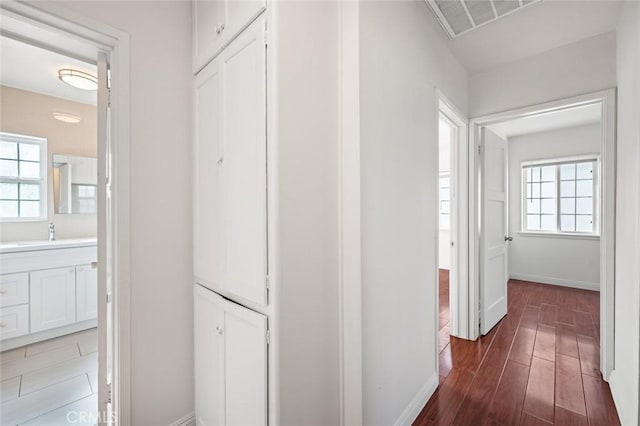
(20,246)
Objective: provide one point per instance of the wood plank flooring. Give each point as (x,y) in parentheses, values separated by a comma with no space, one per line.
(538,366)
(42,382)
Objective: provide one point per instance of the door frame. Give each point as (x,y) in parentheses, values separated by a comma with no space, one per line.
(458,276)
(607,99)
(80,37)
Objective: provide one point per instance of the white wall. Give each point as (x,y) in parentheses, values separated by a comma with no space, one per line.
(624,380)
(552,260)
(582,67)
(403,56)
(161,257)
(307,207)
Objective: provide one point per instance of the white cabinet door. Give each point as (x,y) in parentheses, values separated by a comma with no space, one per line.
(230,170)
(207,243)
(217,22)
(209,358)
(243,171)
(53,298)
(230,362)
(245,355)
(86,293)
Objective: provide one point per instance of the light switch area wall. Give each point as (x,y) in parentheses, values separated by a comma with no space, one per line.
(399,71)
(161,226)
(625,377)
(554,260)
(31,114)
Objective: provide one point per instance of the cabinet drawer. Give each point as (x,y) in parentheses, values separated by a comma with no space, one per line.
(14,289)
(14,321)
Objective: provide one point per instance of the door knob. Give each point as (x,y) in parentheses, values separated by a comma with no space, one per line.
(508,238)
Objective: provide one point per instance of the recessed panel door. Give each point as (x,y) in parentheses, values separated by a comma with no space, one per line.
(53,298)
(494,276)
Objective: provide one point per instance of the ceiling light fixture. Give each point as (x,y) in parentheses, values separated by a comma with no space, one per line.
(78,79)
(67,118)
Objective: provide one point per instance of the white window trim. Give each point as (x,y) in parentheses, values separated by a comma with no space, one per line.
(44,195)
(596,200)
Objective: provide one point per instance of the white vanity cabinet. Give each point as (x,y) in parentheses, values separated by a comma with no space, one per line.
(230,362)
(230,178)
(53,298)
(47,289)
(86,293)
(216,23)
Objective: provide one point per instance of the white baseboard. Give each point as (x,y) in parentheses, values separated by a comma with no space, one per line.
(187,420)
(418,402)
(555,281)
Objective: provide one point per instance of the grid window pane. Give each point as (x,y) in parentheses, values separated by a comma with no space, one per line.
(29,191)
(567,205)
(584,223)
(533,206)
(533,222)
(584,170)
(8,168)
(548,190)
(568,188)
(29,170)
(444,207)
(444,196)
(548,174)
(8,209)
(584,188)
(548,206)
(574,192)
(29,208)
(548,222)
(9,150)
(568,222)
(584,205)
(567,172)
(9,191)
(29,151)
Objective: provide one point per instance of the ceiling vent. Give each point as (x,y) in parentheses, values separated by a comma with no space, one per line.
(460,16)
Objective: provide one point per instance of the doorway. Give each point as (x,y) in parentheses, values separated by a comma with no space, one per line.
(555,197)
(104,50)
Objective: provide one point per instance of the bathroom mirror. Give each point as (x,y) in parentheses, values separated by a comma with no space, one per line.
(75,184)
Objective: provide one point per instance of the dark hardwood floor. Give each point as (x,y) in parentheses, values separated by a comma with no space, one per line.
(538,366)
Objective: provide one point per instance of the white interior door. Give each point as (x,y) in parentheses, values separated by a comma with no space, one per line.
(493,231)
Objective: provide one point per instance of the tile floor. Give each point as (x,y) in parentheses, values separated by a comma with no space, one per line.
(50,382)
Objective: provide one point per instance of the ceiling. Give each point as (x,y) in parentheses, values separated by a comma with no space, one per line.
(572,117)
(536,28)
(31,68)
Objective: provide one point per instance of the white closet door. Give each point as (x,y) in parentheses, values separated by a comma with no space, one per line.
(209,357)
(207,235)
(86,293)
(245,366)
(244,165)
(53,298)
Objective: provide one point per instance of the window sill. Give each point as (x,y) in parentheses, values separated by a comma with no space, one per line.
(559,235)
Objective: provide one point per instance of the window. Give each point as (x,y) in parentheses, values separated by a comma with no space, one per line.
(560,196)
(22,177)
(444,200)
(84,198)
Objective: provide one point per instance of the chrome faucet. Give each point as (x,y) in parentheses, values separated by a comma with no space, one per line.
(52,232)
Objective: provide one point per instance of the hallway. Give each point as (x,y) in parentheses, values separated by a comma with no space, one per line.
(538,366)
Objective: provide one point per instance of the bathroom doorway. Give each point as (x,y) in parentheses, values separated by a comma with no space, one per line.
(64,252)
